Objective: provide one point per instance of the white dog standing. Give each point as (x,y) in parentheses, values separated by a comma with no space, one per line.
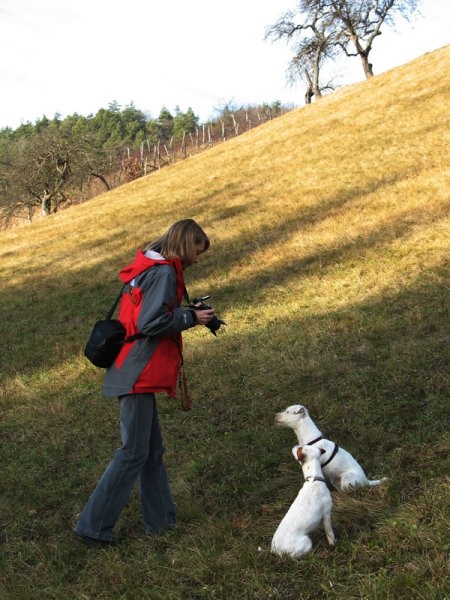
(311,507)
(339,467)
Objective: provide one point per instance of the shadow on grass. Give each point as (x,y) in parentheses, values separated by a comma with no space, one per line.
(374,378)
(48,318)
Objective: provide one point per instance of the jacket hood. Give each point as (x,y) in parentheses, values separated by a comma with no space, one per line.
(140,264)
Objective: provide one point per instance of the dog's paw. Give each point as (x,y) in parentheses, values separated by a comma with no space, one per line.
(295,450)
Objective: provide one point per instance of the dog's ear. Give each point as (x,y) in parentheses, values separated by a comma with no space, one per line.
(299,453)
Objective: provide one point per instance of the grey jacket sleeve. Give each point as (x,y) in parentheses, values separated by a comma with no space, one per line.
(159,313)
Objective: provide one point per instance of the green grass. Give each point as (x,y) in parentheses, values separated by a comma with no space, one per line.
(329,262)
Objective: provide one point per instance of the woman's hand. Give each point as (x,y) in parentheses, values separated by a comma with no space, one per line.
(204,316)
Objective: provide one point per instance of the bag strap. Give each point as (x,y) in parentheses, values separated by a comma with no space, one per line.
(182,385)
(130,338)
(116,302)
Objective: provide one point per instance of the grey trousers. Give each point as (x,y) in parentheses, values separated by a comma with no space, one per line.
(139,459)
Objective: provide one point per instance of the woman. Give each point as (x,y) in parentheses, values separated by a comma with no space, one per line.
(150,305)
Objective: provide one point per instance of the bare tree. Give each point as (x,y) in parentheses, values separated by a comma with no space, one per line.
(360,23)
(311,30)
(320,29)
(306,64)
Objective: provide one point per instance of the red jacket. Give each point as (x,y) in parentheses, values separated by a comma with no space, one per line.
(150,305)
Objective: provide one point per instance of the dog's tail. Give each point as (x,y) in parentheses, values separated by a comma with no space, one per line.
(377,481)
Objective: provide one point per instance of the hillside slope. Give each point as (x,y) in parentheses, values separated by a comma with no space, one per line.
(329,263)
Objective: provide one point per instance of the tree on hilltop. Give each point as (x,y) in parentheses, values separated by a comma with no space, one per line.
(134,123)
(320,30)
(184,123)
(360,21)
(311,30)
(165,124)
(108,127)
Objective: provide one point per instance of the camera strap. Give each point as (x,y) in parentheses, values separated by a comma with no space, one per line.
(182,381)
(182,386)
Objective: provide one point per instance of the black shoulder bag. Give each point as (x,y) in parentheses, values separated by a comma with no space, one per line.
(106,339)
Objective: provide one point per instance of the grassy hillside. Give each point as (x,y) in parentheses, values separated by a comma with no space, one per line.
(329,262)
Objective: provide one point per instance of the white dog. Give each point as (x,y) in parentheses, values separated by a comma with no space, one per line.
(339,467)
(311,508)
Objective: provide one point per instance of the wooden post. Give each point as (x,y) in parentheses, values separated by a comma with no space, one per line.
(159,154)
(236,125)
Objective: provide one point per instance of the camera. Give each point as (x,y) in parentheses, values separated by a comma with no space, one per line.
(214,324)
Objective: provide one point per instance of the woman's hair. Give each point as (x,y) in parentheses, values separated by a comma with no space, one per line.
(181,239)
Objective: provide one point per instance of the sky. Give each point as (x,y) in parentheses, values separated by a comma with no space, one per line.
(77,56)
